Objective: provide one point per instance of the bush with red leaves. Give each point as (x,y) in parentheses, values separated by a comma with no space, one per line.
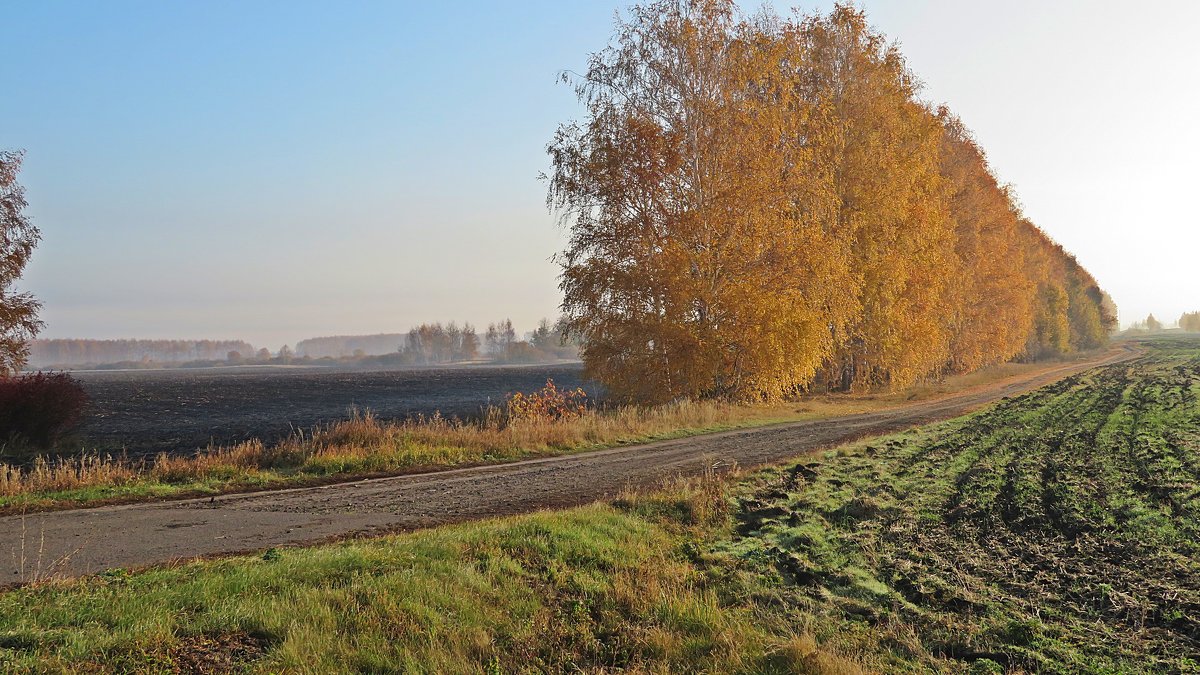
(37,410)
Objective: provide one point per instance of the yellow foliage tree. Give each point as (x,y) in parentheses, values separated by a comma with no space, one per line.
(754,201)
(885,160)
(1190,322)
(700,260)
(991,297)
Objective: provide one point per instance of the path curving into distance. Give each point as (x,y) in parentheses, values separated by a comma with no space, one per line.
(84,541)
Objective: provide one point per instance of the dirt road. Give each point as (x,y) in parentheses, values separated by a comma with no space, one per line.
(70,543)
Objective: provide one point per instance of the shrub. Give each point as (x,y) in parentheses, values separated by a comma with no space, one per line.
(547,404)
(37,410)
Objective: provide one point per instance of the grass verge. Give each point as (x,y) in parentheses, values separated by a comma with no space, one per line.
(597,588)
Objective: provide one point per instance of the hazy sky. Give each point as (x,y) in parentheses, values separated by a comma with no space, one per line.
(273,171)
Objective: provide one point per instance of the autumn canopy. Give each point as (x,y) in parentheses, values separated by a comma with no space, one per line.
(757,204)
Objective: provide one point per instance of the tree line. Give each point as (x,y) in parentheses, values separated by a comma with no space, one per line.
(426,344)
(1189,322)
(759,204)
(434,343)
(61,353)
(337,346)
(438,343)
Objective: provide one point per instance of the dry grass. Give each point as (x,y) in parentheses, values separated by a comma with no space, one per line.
(366,445)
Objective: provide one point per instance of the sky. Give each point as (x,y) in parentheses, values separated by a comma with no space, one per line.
(272,171)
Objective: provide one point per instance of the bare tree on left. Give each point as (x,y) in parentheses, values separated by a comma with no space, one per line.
(18,311)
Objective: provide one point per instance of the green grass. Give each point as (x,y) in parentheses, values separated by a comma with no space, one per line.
(1055,532)
(598,587)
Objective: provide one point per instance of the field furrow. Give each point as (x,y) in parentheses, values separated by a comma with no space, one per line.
(1053,532)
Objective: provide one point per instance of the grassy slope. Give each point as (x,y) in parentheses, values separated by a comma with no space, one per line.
(365,446)
(1055,532)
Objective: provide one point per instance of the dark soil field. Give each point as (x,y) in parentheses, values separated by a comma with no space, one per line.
(1056,532)
(185,409)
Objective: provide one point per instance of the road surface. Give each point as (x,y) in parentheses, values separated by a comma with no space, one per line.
(83,541)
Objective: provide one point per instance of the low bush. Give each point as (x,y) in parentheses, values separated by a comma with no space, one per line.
(547,404)
(37,410)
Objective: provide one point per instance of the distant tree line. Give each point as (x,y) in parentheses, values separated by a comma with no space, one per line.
(1148,325)
(75,353)
(438,343)
(548,342)
(1189,322)
(338,346)
(426,344)
(758,204)
(434,343)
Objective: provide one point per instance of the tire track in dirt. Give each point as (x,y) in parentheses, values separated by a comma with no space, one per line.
(72,543)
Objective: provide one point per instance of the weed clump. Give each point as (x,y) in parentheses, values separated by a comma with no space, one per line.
(37,410)
(547,404)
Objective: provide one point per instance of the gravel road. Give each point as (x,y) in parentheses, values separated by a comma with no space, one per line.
(83,541)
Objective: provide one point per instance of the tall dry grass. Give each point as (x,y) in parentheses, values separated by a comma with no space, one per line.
(364,444)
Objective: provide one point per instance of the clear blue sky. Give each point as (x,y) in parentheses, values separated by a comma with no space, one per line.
(273,171)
